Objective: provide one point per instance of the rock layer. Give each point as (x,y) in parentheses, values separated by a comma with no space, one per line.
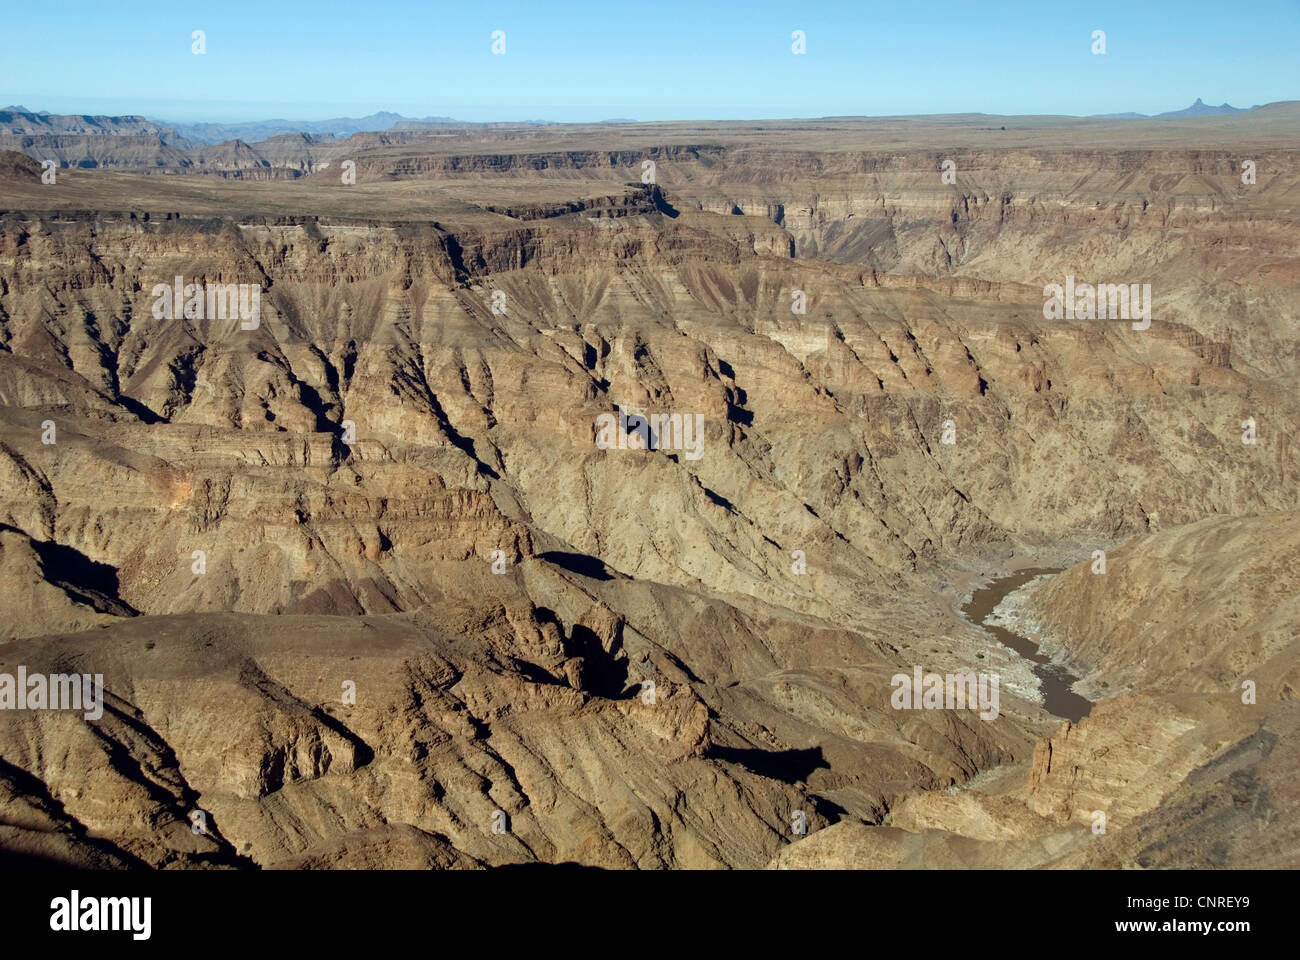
(678,657)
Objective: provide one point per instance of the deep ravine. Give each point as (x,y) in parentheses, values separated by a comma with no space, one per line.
(1058,697)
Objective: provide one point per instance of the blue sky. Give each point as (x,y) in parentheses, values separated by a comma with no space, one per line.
(649,60)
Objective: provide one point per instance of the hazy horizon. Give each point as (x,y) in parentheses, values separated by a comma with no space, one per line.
(358,114)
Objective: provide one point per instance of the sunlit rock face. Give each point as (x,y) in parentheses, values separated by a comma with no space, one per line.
(542,513)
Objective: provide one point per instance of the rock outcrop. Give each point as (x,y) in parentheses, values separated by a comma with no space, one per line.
(367,587)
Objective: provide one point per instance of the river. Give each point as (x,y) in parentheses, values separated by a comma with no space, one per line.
(1058,698)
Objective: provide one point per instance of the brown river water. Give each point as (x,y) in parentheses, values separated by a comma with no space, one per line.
(1058,698)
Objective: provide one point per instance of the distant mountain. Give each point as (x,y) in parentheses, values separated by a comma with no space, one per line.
(1197,109)
(19,121)
(337,127)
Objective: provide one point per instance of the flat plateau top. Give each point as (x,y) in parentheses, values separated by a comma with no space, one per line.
(455,184)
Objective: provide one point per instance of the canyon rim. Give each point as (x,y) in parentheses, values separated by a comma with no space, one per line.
(454,495)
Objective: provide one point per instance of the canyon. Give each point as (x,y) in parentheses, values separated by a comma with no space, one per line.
(366,590)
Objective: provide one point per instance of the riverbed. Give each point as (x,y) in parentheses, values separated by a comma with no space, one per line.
(1055,681)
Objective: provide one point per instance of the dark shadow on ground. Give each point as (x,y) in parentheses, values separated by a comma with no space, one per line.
(662,205)
(86,581)
(788,766)
(568,865)
(580,563)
